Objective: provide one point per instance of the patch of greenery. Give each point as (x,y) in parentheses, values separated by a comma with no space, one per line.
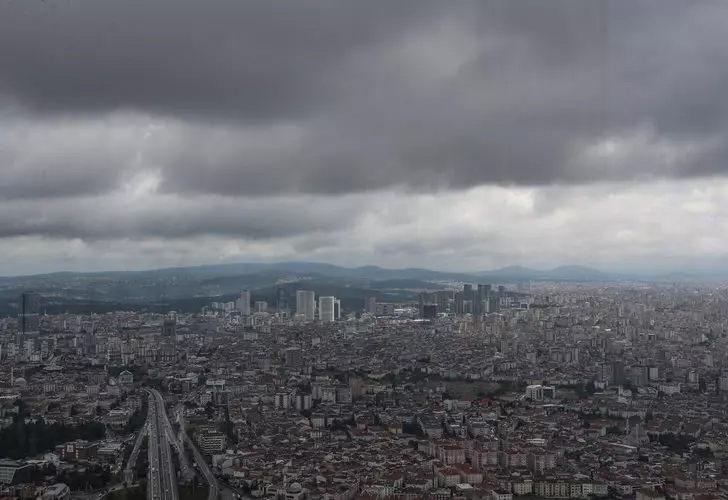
(23,440)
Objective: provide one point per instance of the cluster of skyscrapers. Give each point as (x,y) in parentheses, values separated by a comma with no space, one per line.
(329,307)
(480,300)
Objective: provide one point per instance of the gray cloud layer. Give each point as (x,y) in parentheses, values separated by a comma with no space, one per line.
(330,97)
(310,128)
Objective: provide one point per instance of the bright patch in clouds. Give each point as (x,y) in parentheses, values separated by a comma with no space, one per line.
(614,226)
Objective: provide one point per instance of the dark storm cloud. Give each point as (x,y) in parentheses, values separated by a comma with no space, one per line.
(253,60)
(263,97)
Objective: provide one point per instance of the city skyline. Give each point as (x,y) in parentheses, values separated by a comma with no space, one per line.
(355,250)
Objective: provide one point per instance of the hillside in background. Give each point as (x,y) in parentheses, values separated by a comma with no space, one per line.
(188,288)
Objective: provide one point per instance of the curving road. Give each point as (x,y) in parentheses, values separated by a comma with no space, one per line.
(131,462)
(214,487)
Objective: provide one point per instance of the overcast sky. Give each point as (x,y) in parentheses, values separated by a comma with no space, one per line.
(447,134)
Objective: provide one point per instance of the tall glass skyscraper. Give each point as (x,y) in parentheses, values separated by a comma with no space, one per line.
(306,304)
(28,319)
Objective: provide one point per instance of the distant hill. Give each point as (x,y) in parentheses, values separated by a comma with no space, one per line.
(185,288)
(254,273)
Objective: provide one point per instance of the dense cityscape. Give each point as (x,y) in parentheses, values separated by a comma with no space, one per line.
(363,249)
(534,390)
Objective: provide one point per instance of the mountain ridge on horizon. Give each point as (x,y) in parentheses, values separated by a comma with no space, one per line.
(191,287)
(565,272)
(312,266)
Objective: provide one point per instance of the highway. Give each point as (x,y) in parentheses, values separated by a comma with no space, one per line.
(161,475)
(161,472)
(154,475)
(169,436)
(214,487)
(131,462)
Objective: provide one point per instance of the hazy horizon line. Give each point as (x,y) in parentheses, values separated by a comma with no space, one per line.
(592,268)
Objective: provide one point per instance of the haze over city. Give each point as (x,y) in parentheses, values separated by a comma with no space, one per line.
(363,250)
